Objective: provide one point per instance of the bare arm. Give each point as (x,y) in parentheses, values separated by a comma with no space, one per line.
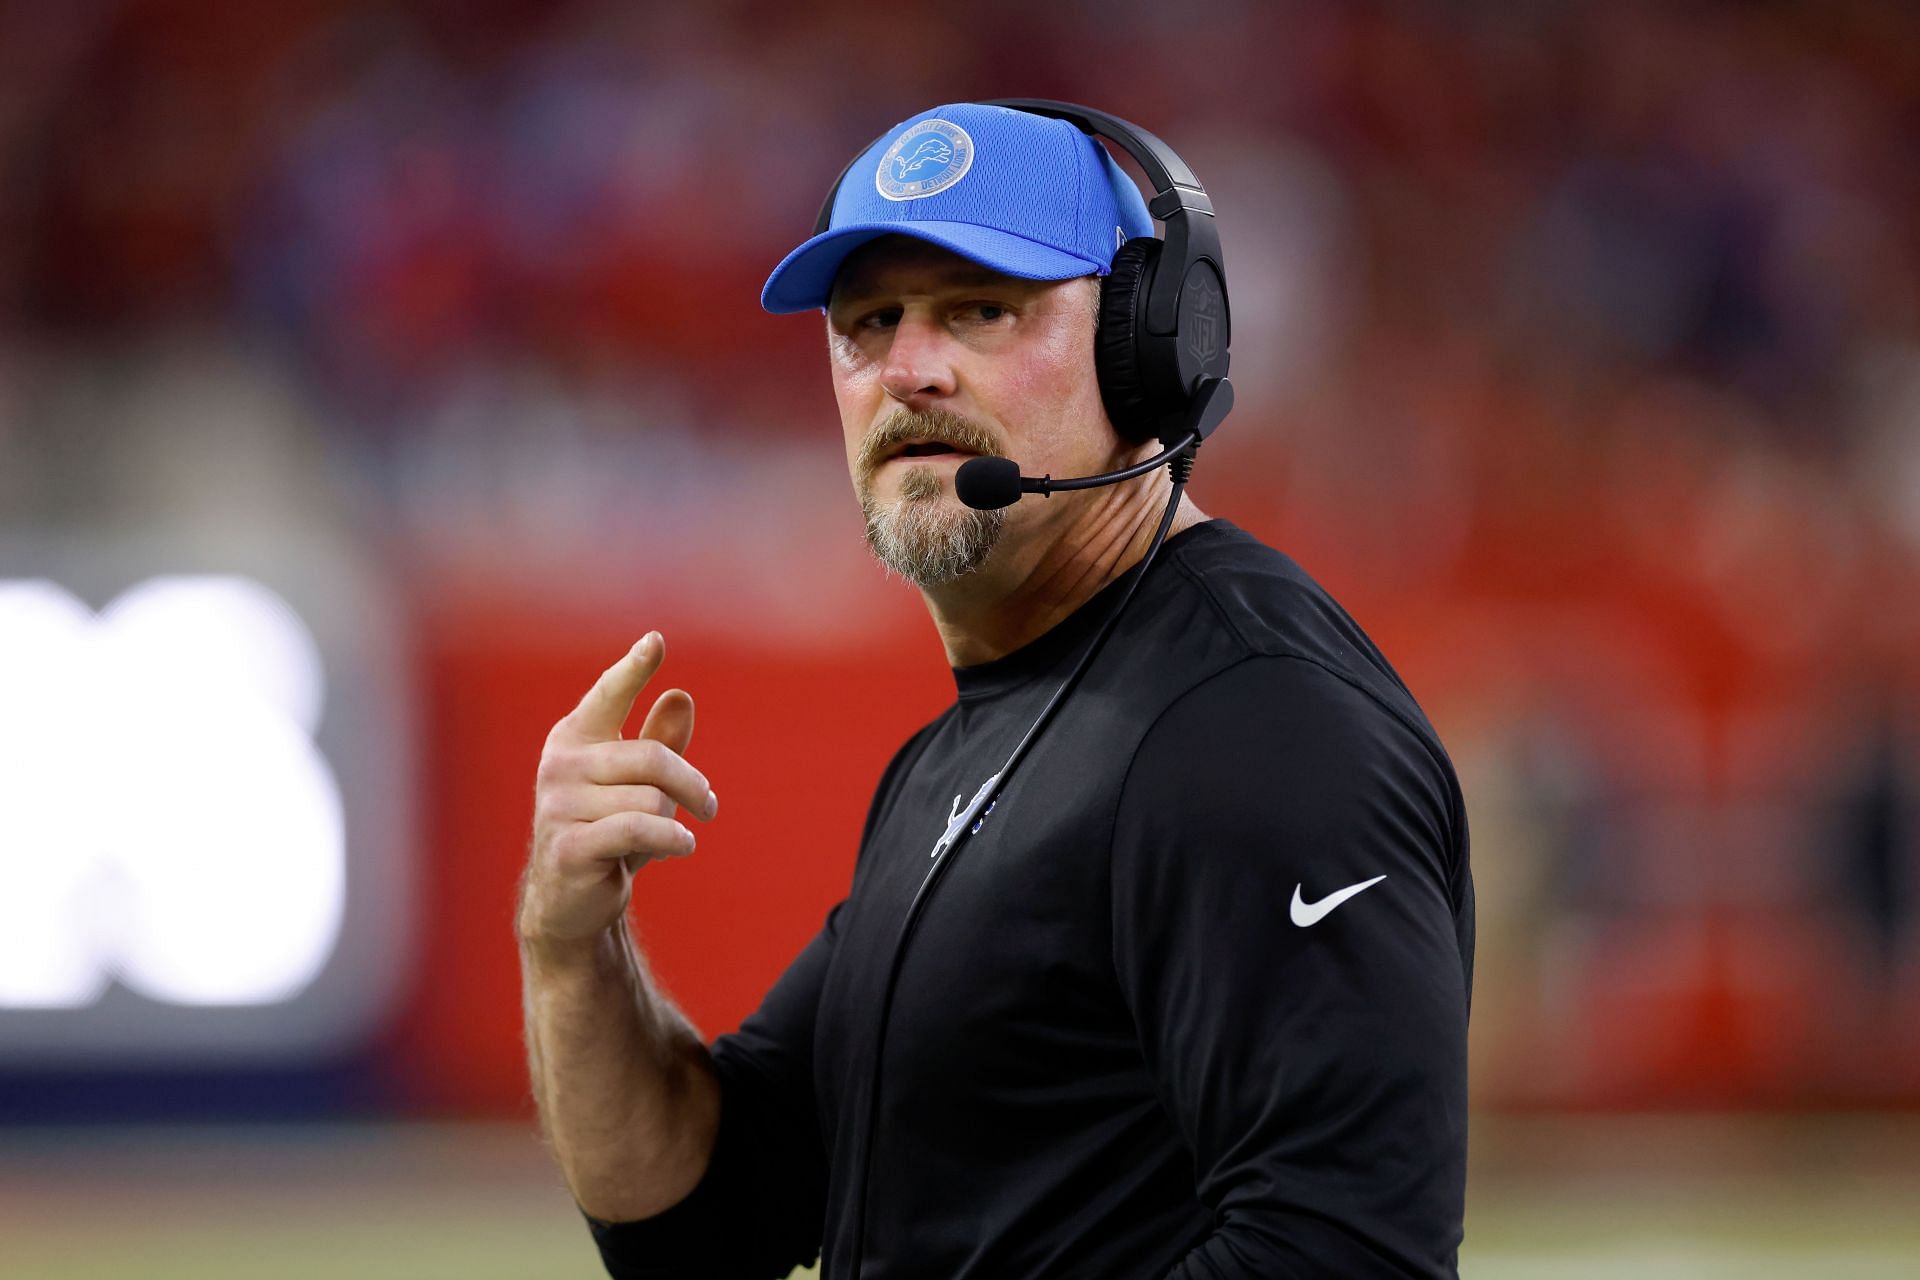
(625,1088)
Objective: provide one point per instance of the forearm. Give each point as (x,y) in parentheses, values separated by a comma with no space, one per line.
(625,1088)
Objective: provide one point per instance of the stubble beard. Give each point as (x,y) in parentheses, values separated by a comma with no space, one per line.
(920,535)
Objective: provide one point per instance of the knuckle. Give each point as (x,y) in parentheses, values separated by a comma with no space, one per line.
(654,757)
(548,808)
(548,770)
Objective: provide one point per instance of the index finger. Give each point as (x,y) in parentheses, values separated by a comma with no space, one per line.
(605,709)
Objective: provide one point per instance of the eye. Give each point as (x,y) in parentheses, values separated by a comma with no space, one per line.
(988,312)
(884,318)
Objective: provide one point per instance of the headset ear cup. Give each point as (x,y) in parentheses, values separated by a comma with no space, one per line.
(1116,347)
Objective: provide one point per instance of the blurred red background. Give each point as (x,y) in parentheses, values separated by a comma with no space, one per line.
(1578,350)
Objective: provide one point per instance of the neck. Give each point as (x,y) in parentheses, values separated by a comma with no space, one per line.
(1029,585)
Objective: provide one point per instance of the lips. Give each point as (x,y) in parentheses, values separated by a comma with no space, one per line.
(928,448)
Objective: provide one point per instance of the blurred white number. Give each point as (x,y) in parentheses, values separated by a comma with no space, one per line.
(165,818)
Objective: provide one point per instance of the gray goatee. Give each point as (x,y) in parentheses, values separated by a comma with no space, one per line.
(920,535)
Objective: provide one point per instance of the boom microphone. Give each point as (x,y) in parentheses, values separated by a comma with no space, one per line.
(986,484)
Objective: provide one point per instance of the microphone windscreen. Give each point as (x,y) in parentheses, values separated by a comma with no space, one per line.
(988,483)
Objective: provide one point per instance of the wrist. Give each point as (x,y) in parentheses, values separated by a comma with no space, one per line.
(591,952)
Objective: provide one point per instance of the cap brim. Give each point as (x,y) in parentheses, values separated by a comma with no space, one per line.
(804,278)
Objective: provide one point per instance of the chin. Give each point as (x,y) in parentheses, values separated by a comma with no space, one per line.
(927,536)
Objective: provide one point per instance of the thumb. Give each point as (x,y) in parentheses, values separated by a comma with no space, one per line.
(671,720)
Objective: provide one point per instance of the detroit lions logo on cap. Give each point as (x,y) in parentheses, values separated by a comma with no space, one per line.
(928,158)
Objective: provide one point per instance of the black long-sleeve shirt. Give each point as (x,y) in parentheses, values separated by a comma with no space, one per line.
(1136,1033)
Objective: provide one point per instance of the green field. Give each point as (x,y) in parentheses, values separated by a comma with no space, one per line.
(1667,1199)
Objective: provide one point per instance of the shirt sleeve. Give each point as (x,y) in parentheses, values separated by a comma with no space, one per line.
(757,1212)
(1292,925)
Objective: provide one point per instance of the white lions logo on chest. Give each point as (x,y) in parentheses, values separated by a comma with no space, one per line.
(968,818)
(928,158)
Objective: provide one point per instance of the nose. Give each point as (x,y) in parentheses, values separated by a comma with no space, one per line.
(918,367)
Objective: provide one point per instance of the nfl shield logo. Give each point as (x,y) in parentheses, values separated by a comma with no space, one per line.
(1203,321)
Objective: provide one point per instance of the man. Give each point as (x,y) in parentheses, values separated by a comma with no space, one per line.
(1190,1002)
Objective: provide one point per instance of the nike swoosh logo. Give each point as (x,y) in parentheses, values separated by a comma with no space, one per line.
(1306,913)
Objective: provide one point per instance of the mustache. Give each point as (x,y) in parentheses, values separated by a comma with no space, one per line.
(923,424)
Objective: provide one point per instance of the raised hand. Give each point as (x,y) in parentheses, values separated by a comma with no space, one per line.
(604,805)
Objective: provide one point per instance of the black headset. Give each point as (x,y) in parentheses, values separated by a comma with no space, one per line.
(1164,326)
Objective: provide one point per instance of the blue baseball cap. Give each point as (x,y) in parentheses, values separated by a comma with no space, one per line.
(1027,195)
